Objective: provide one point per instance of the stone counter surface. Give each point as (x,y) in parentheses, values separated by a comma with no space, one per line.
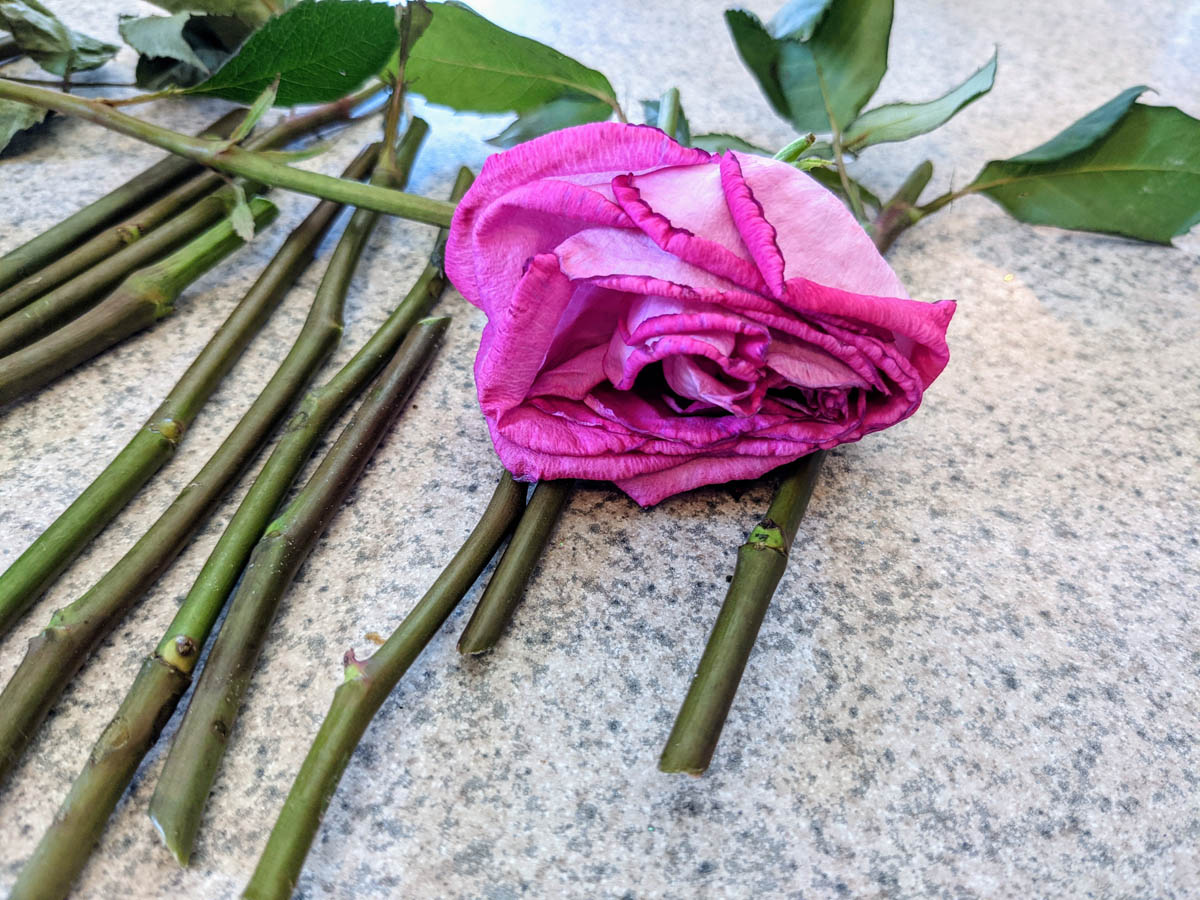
(978,678)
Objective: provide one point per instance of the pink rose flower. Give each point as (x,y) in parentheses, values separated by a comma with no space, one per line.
(667,318)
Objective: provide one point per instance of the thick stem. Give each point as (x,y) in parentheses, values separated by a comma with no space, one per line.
(116,238)
(68,300)
(137,192)
(359,697)
(237,161)
(25,580)
(142,299)
(901,212)
(110,767)
(178,802)
(506,588)
(761,562)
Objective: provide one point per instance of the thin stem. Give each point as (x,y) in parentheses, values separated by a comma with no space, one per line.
(237,161)
(901,212)
(141,300)
(761,562)
(57,82)
(178,803)
(132,195)
(668,111)
(506,588)
(141,98)
(27,578)
(850,187)
(367,684)
(67,300)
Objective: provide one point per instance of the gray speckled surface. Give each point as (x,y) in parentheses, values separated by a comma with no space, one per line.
(978,679)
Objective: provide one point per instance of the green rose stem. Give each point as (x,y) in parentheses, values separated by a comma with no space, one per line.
(76,264)
(507,585)
(68,300)
(761,562)
(27,578)
(236,160)
(166,674)
(51,244)
(901,212)
(367,684)
(62,647)
(141,299)
(178,802)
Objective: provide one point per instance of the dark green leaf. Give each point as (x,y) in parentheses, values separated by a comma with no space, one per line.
(901,121)
(798,19)
(160,37)
(1139,177)
(16,117)
(719,143)
(1086,131)
(837,69)
(683,132)
(50,43)
(465,62)
(170,45)
(320,51)
(561,113)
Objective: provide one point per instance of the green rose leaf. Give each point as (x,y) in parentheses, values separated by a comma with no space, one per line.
(561,113)
(1126,168)
(835,70)
(50,43)
(181,50)
(901,121)
(319,52)
(16,117)
(683,132)
(465,62)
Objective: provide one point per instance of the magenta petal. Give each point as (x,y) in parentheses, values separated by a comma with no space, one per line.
(653,487)
(757,233)
(572,151)
(695,249)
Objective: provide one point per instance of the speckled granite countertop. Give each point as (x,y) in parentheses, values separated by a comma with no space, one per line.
(978,679)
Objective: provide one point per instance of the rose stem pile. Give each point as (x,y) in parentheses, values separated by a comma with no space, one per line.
(183,787)
(33,572)
(165,675)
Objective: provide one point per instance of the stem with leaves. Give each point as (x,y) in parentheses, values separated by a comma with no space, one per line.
(65,302)
(58,652)
(115,238)
(367,684)
(142,299)
(53,243)
(507,585)
(254,166)
(178,802)
(27,578)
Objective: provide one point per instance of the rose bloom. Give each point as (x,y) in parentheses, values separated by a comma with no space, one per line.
(668,318)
